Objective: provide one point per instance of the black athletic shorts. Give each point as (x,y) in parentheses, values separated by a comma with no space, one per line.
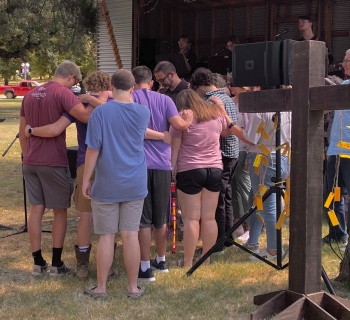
(193,181)
(156,207)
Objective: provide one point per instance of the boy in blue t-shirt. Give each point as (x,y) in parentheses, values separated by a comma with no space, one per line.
(115,135)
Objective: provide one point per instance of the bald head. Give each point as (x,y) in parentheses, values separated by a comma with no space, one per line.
(123,80)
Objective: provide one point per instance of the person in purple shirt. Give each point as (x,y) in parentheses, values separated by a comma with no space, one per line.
(158,157)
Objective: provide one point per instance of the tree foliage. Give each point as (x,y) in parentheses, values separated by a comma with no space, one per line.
(43,32)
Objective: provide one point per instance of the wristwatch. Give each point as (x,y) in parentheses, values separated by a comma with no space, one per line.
(230,125)
(30,130)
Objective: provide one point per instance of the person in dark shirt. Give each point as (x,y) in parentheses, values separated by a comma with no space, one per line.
(305,25)
(166,76)
(188,54)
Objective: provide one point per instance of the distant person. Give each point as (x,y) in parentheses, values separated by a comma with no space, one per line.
(305,26)
(189,55)
(45,163)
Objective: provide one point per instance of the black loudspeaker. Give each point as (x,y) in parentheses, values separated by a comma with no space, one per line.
(72,155)
(262,64)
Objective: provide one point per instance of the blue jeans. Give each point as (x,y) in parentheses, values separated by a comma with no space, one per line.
(338,232)
(269,206)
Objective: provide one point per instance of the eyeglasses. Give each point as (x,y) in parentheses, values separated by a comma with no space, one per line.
(162,80)
(346,61)
(76,79)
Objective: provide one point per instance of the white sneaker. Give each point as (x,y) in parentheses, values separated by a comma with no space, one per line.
(252,247)
(244,238)
(265,254)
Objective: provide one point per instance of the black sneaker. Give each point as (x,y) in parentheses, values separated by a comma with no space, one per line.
(58,271)
(161,266)
(146,275)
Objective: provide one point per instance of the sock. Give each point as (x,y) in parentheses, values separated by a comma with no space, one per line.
(38,258)
(56,257)
(83,249)
(145,265)
(159,259)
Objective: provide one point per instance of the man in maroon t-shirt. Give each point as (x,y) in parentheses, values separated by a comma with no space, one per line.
(45,163)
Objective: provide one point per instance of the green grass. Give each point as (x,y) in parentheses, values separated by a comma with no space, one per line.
(222,290)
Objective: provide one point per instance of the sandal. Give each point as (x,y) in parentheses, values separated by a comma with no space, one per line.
(136,295)
(96,295)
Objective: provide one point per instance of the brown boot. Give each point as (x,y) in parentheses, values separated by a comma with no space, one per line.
(113,271)
(82,262)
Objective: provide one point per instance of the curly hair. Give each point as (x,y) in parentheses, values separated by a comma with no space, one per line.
(97,81)
(201,77)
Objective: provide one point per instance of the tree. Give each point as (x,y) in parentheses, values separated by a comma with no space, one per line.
(44,31)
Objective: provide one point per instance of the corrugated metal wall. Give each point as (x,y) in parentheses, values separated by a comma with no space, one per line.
(120,12)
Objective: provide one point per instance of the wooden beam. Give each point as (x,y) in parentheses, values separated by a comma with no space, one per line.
(305,248)
(111,35)
(196,32)
(328,33)
(266,23)
(230,20)
(136,13)
(212,32)
(180,19)
(334,98)
(266,100)
(248,22)
(319,17)
(273,18)
(171,30)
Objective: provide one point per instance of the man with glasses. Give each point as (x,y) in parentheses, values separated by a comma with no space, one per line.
(165,74)
(45,163)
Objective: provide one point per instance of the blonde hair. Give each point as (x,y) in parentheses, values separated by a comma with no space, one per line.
(202,110)
(97,81)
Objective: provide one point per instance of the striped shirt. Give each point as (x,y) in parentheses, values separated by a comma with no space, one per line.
(229,146)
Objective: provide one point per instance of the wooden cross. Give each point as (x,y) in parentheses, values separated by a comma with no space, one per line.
(307,100)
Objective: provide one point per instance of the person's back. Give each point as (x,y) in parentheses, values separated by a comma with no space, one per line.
(200,147)
(121,167)
(157,152)
(41,106)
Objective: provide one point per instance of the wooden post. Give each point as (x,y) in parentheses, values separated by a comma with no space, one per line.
(306,169)
(328,33)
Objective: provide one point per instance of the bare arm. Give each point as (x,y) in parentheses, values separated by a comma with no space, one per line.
(81,113)
(90,163)
(21,132)
(182,122)
(93,101)
(156,135)
(50,130)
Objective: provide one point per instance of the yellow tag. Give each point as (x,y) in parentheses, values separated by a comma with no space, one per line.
(257,160)
(275,122)
(257,170)
(348,127)
(346,156)
(333,218)
(344,145)
(258,201)
(264,149)
(281,146)
(329,200)
(288,184)
(337,195)
(264,134)
(262,189)
(280,221)
(261,127)
(286,149)
(264,161)
(260,218)
(286,197)
(287,209)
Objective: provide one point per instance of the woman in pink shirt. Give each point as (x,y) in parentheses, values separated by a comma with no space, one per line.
(197,164)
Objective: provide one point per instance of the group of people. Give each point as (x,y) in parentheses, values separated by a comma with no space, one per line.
(127,159)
